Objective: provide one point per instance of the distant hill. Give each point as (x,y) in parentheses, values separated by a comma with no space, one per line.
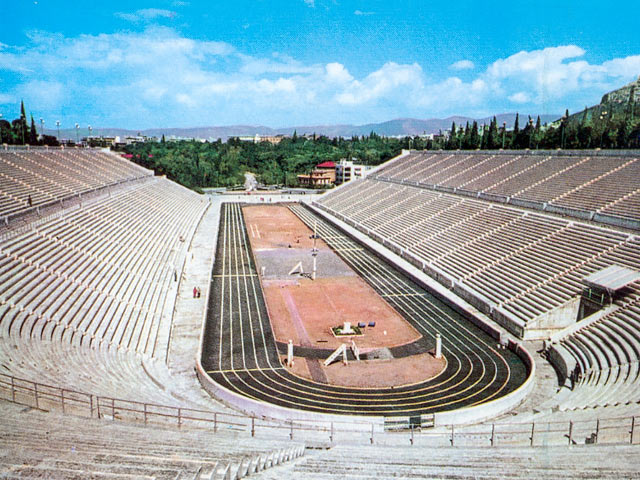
(614,103)
(397,127)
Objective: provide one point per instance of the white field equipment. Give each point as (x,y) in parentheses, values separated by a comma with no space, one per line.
(355,350)
(297,269)
(341,350)
(290,354)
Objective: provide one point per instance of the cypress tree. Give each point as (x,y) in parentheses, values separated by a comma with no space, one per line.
(452,138)
(33,133)
(23,123)
(474,137)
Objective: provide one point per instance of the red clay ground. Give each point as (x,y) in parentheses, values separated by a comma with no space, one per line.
(377,373)
(275,226)
(304,311)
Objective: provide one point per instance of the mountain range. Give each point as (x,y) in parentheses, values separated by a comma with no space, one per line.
(397,127)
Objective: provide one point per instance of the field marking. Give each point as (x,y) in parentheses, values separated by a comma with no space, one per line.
(235,275)
(402,294)
(236,370)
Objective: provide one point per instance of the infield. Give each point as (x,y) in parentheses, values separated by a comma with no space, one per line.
(305,310)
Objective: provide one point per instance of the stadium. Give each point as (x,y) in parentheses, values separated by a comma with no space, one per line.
(453,314)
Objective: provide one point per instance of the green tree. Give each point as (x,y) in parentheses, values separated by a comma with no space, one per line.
(33,133)
(474,137)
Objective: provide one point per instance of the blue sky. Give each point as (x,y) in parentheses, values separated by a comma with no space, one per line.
(309,62)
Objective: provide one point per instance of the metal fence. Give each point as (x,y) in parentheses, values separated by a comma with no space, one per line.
(619,430)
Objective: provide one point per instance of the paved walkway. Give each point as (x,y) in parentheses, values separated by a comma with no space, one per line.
(189,311)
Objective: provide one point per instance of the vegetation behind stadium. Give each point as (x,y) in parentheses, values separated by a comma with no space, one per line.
(614,123)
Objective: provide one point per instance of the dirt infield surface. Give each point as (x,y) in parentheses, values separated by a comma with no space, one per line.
(304,310)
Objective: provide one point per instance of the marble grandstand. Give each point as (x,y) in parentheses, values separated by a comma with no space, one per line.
(488,227)
(98,327)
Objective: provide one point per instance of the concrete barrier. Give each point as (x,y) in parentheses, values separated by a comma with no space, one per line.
(492,197)
(270,411)
(569,212)
(485,411)
(563,362)
(466,193)
(521,202)
(616,221)
(445,189)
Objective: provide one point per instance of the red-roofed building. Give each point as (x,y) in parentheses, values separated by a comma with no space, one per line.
(328,165)
(323,175)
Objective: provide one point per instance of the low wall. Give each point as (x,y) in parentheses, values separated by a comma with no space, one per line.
(562,361)
(492,197)
(270,411)
(485,411)
(521,202)
(569,212)
(559,317)
(617,221)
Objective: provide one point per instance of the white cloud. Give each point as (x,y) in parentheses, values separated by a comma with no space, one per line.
(462,65)
(361,13)
(389,80)
(6,99)
(146,14)
(276,64)
(160,77)
(336,73)
(310,3)
(520,97)
(555,72)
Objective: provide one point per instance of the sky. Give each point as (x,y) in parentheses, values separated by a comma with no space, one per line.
(282,63)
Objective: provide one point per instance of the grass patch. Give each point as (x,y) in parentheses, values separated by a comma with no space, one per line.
(355,330)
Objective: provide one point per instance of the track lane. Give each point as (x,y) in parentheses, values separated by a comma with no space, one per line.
(473,374)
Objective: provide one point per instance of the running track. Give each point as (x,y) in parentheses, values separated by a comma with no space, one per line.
(240,351)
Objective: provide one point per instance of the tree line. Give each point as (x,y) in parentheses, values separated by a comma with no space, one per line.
(196,164)
(612,127)
(216,164)
(21,132)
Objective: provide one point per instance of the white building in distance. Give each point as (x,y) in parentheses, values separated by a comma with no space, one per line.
(347,170)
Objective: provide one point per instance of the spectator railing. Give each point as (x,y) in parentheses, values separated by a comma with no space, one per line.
(618,430)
